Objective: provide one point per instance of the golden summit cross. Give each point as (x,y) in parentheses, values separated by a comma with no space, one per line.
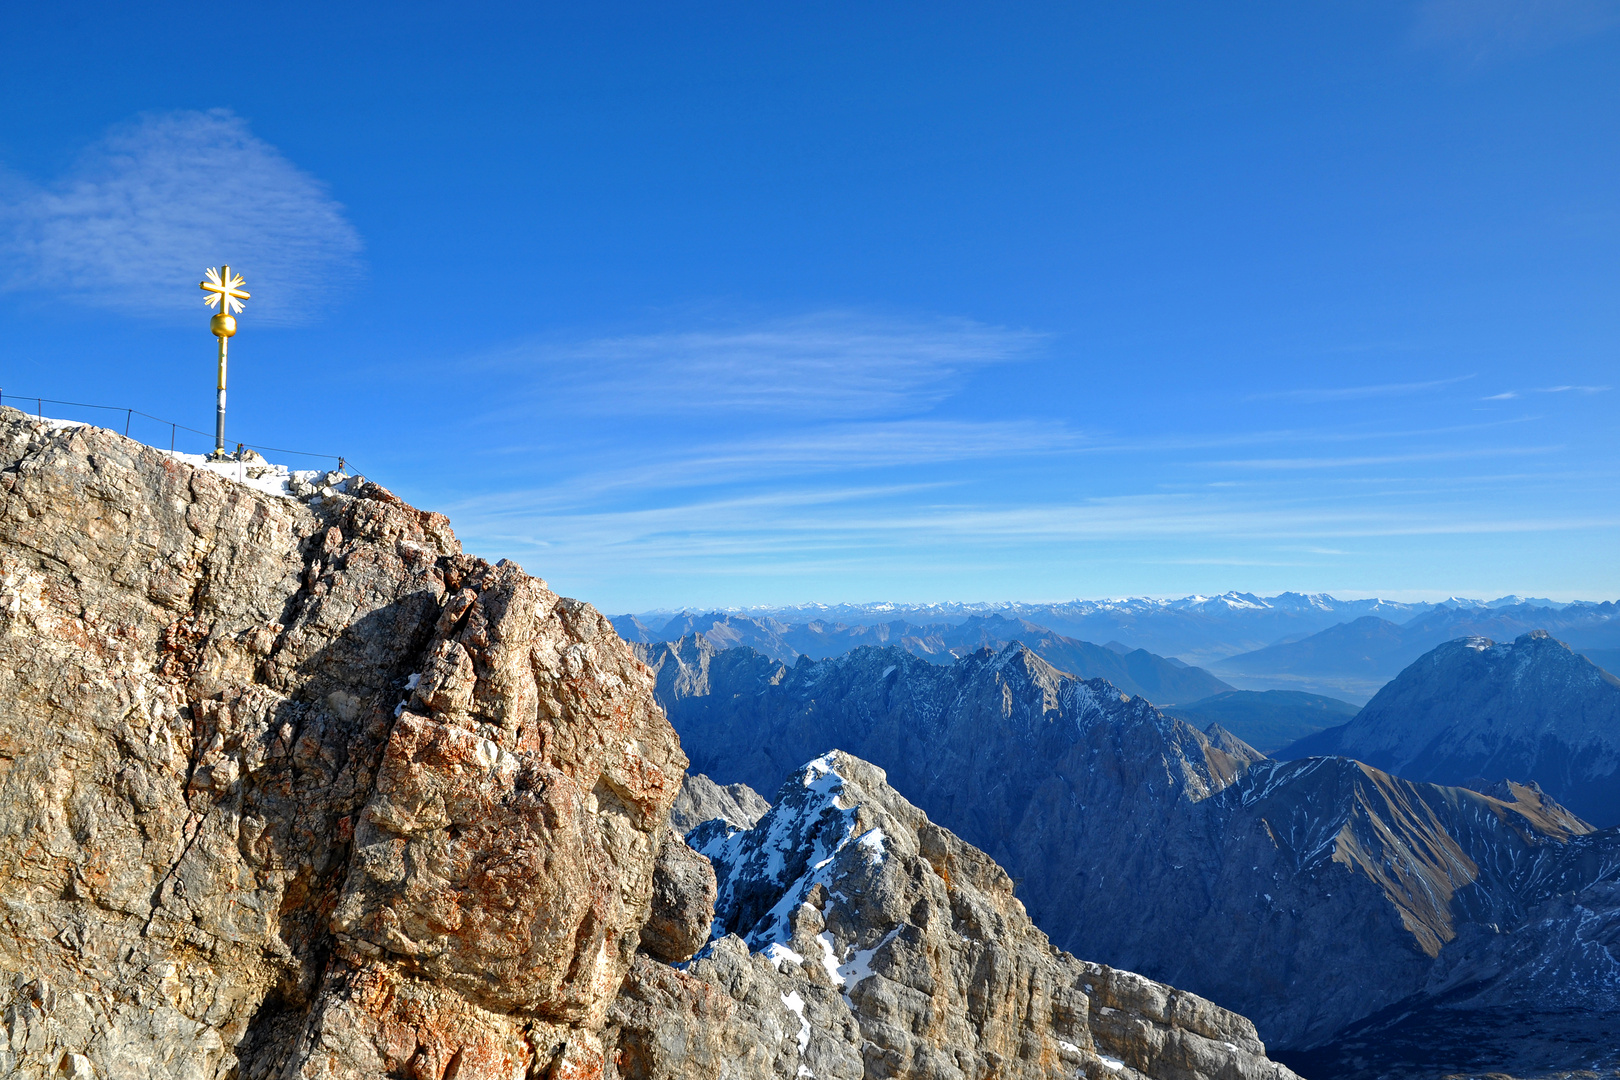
(222,285)
(224,291)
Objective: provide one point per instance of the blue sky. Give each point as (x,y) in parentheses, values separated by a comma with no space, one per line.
(750,304)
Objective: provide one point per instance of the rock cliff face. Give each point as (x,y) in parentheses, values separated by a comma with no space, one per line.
(855,938)
(1143,843)
(1529,709)
(298,789)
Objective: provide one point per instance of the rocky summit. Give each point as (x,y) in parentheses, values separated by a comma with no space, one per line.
(293,788)
(1307,895)
(297,789)
(1530,709)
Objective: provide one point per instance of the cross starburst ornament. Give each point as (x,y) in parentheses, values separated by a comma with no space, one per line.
(225,292)
(222,285)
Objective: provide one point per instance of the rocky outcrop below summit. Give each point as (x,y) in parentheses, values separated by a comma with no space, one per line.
(855,938)
(1140,842)
(297,789)
(1530,709)
(701,800)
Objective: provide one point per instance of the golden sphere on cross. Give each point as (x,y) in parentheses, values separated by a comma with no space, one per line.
(223,325)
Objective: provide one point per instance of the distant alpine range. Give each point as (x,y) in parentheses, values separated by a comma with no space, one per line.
(1290,664)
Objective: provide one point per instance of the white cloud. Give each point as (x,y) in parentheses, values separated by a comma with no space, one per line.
(1347,393)
(834,448)
(825,365)
(144,211)
(779,531)
(1509,395)
(1386,459)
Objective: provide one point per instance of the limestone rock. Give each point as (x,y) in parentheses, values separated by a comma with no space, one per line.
(701,799)
(682,902)
(294,789)
(297,788)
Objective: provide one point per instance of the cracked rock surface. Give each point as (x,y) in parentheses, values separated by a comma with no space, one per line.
(297,789)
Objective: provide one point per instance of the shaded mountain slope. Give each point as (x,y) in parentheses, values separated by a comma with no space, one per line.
(1147,844)
(1542,1001)
(701,799)
(1530,709)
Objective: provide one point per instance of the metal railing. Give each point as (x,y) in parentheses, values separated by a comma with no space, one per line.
(175,427)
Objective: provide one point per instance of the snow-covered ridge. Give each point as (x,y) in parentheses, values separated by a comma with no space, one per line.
(1227,602)
(788,852)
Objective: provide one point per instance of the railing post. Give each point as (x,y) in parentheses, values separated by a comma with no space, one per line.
(129,415)
(172,426)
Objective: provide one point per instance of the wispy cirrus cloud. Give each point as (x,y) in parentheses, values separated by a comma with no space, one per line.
(1349,393)
(823,365)
(145,210)
(836,448)
(1362,461)
(727,535)
(1509,395)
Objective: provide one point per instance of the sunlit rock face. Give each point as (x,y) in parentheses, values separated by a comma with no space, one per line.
(297,789)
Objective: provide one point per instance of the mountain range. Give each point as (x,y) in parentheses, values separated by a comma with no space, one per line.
(1184,854)
(1135,671)
(853,937)
(292,788)
(1354,659)
(1198,629)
